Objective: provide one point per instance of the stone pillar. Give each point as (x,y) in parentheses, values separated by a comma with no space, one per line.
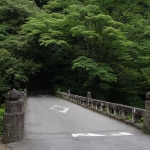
(13,123)
(146,115)
(23,98)
(25,93)
(68,94)
(58,91)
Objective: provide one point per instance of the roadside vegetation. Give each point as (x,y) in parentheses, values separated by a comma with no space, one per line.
(2,111)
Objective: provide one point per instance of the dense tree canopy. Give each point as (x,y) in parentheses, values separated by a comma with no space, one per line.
(14,66)
(98,46)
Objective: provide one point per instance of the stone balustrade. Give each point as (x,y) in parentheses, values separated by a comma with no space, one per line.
(128,114)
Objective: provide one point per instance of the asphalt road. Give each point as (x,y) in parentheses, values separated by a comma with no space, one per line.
(52,123)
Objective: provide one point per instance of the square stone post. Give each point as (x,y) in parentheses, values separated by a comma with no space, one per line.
(146,115)
(13,123)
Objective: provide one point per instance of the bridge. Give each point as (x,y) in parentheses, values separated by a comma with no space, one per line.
(58,123)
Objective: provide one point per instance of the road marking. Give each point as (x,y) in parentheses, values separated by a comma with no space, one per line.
(65,110)
(121,133)
(98,135)
(86,134)
(60,109)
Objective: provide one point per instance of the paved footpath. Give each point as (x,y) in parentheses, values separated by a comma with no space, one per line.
(52,123)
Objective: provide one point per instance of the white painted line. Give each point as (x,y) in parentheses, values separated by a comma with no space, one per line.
(79,134)
(98,135)
(60,109)
(53,107)
(92,134)
(65,110)
(86,134)
(121,134)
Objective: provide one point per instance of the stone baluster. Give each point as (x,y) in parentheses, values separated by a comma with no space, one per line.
(123,115)
(25,93)
(22,98)
(68,94)
(115,112)
(92,103)
(108,109)
(58,92)
(134,120)
(13,123)
(96,107)
(75,98)
(81,100)
(101,107)
(88,98)
(84,102)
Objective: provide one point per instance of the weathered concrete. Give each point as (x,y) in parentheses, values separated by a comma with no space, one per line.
(13,127)
(147,105)
(14,106)
(13,122)
(146,118)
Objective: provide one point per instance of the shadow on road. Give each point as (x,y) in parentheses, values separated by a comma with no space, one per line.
(40,92)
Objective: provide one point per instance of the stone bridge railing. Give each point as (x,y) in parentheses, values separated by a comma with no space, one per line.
(13,121)
(128,114)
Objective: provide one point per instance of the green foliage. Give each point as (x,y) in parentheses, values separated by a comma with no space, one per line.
(98,46)
(100,70)
(15,12)
(2,111)
(107,47)
(140,121)
(15,65)
(129,117)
